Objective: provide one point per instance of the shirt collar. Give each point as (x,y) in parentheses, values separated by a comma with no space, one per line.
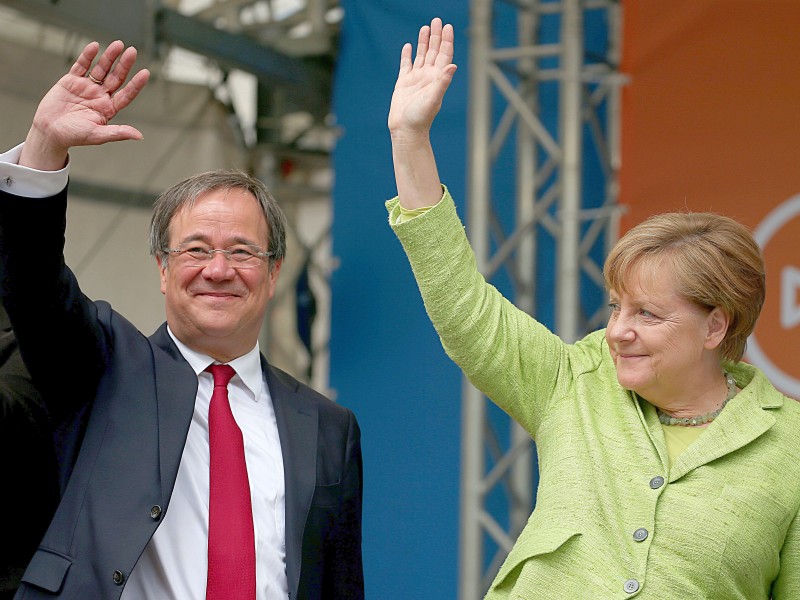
(247,366)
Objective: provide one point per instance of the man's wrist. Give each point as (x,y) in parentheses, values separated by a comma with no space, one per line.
(41,154)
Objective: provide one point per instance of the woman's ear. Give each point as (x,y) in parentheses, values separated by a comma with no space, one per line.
(717,324)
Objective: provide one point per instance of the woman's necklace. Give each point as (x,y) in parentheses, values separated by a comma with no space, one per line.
(700,419)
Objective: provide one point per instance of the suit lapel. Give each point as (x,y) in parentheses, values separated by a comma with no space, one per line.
(747,416)
(297,419)
(176,390)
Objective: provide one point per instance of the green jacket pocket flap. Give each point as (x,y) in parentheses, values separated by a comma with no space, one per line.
(534,542)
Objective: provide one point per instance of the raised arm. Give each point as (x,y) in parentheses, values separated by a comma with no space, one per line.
(77,109)
(416,100)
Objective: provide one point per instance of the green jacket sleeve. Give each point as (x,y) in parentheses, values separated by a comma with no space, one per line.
(787,585)
(503,351)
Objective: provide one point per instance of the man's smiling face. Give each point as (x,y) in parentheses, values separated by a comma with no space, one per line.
(218,309)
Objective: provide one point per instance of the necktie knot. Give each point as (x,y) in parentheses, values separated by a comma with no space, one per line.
(222,374)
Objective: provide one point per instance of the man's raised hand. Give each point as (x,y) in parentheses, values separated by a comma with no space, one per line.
(77,109)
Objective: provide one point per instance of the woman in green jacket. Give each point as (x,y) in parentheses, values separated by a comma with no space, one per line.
(667,467)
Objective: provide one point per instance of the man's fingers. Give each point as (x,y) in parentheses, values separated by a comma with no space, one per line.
(128,93)
(100,71)
(112,53)
(113,133)
(83,63)
(117,75)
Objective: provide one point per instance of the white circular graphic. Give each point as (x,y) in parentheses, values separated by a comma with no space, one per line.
(772,223)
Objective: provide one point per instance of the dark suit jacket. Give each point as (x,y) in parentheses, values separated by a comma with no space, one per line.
(27,464)
(121,404)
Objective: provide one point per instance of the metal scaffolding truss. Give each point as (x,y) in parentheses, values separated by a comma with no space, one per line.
(550,209)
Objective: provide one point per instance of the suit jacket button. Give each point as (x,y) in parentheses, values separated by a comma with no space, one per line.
(640,534)
(656,482)
(155,512)
(119,577)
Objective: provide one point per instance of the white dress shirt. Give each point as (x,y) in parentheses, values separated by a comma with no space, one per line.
(174,563)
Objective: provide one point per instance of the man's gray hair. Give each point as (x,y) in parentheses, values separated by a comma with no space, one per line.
(185,193)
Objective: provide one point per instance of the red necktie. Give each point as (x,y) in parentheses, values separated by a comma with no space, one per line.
(231,542)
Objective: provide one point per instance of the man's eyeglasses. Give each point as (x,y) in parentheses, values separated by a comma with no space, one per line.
(242,256)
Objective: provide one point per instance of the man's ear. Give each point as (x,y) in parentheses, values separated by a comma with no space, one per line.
(272,277)
(162,269)
(717,327)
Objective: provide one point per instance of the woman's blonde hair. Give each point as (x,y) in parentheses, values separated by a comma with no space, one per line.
(715,261)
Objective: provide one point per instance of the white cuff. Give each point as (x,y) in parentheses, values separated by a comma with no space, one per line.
(30,183)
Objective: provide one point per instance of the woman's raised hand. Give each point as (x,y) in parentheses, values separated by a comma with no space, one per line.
(421,84)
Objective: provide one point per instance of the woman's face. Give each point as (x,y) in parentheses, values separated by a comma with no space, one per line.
(659,341)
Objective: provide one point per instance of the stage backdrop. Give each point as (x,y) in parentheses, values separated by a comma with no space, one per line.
(711,121)
(386,361)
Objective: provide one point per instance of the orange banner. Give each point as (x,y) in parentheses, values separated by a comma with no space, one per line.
(711,122)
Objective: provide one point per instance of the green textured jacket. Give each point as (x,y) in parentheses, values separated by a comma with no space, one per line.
(612,520)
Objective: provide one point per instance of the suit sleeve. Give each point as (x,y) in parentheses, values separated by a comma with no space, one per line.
(56,326)
(345,576)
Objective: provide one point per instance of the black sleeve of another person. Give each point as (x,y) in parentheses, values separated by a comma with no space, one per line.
(28,477)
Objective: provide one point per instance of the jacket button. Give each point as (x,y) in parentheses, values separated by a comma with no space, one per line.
(118,577)
(640,534)
(631,586)
(155,512)
(656,482)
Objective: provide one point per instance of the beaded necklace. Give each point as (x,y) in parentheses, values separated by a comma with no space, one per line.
(700,419)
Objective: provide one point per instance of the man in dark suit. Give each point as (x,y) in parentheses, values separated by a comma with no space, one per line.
(141,426)
(27,464)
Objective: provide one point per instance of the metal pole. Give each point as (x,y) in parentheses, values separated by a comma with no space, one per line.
(521,474)
(548,173)
(570,126)
(473,402)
